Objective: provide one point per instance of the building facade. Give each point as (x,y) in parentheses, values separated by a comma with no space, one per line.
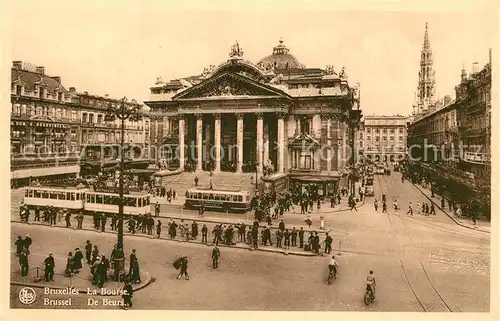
(49,121)
(451,141)
(382,138)
(275,116)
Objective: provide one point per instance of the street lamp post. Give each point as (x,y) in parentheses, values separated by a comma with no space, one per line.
(123,112)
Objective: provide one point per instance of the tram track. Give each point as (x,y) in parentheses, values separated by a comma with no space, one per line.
(427,305)
(433,226)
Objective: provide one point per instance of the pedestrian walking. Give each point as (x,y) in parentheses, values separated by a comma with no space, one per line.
(88,251)
(183,266)
(204,232)
(19,243)
(410,210)
(157,209)
(158,229)
(301,237)
(215,257)
(328,244)
(77,260)
(23,262)
(69,264)
(433,210)
(49,265)
(127,295)
(95,254)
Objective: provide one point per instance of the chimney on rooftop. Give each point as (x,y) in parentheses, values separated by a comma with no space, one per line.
(106,95)
(17,64)
(85,92)
(474,67)
(40,70)
(72,89)
(57,78)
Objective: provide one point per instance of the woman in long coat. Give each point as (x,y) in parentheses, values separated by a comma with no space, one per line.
(77,260)
(69,264)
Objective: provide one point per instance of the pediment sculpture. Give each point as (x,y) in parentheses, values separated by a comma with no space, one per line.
(278,80)
(330,70)
(208,70)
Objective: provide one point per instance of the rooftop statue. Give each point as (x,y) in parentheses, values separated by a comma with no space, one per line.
(158,81)
(236,50)
(330,70)
(343,74)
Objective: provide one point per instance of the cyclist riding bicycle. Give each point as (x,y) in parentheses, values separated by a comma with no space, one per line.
(332,266)
(370,283)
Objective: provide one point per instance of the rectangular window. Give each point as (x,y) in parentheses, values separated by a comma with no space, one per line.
(305,161)
(304,126)
(377,131)
(392,131)
(401,130)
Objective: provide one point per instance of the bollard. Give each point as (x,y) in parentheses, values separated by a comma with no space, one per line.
(340,244)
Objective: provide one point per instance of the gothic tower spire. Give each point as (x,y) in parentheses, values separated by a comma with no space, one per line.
(426,84)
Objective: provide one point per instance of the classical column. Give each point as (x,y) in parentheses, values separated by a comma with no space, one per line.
(260,141)
(217,142)
(239,141)
(329,144)
(281,143)
(199,142)
(266,144)
(181,143)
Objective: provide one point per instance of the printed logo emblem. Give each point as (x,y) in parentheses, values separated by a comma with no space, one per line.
(27,295)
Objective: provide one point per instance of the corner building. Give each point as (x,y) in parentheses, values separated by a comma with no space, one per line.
(276,117)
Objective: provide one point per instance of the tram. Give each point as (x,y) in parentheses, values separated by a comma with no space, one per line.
(369,190)
(85,201)
(221,200)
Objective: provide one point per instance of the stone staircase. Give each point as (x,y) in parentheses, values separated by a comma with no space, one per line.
(221,180)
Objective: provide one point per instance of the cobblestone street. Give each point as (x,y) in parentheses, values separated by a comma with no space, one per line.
(431,258)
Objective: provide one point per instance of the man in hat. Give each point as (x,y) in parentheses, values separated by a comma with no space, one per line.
(27,242)
(215,256)
(49,268)
(77,260)
(23,262)
(127,294)
(88,251)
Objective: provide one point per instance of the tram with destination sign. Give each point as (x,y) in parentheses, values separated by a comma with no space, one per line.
(85,201)
(219,200)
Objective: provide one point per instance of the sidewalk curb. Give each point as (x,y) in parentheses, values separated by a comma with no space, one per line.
(238,246)
(450,216)
(213,220)
(137,287)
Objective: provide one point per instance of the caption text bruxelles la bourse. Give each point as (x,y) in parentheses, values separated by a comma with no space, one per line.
(96,297)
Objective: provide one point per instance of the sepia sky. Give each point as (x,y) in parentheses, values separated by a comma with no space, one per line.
(120,48)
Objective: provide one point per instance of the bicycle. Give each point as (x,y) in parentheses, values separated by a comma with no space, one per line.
(332,274)
(369,298)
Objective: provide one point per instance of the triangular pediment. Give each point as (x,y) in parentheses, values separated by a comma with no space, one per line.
(301,141)
(230,85)
(42,118)
(19,81)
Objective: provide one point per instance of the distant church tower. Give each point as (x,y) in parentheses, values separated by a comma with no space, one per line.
(426,84)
